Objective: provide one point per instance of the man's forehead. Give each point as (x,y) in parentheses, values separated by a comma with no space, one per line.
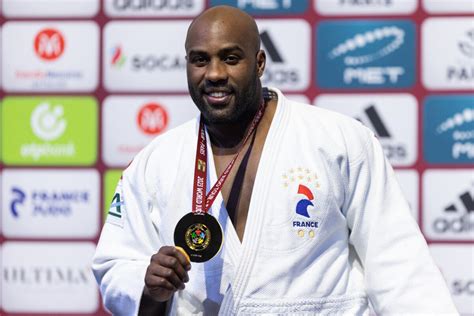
(223,24)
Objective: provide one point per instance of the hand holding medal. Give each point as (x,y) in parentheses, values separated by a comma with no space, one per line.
(198,232)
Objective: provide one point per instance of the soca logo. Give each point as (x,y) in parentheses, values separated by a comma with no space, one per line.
(49,44)
(118,59)
(152,119)
(163,63)
(139,5)
(463,139)
(460,287)
(47,122)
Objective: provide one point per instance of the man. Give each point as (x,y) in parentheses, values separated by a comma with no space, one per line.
(313,220)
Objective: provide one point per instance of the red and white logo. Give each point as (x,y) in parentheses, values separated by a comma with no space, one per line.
(152,118)
(49,44)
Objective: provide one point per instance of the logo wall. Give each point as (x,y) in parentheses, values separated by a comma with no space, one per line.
(153,8)
(454,68)
(392,117)
(48,278)
(455,6)
(287,55)
(133,62)
(448,129)
(50,130)
(366,7)
(131,122)
(458,275)
(266,7)
(56,208)
(448,204)
(366,54)
(39,56)
(50,8)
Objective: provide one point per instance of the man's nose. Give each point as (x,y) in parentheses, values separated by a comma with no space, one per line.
(216,71)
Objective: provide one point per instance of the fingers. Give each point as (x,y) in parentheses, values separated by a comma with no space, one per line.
(168,269)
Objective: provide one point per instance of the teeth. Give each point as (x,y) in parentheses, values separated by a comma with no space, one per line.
(217,94)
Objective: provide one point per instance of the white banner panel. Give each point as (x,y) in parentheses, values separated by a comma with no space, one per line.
(145,56)
(392,117)
(131,122)
(48,278)
(454,67)
(288,56)
(456,263)
(50,8)
(448,204)
(50,56)
(153,8)
(408,180)
(50,203)
(448,6)
(365,7)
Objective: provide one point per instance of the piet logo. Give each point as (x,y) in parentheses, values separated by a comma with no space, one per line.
(360,54)
(152,119)
(266,7)
(449,129)
(49,44)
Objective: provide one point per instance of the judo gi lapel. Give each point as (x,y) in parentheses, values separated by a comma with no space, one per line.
(257,210)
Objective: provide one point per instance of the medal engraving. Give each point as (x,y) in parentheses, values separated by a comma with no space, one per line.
(198,237)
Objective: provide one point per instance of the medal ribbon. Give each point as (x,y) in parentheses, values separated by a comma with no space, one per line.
(201,201)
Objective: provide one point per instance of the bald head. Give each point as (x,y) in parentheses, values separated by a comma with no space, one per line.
(229,22)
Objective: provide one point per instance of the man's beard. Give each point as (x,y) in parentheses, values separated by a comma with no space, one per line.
(245,103)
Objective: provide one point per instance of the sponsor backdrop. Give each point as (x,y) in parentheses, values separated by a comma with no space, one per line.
(86,84)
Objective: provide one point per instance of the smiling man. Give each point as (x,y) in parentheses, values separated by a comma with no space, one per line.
(261,205)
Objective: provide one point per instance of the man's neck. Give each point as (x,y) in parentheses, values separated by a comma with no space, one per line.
(229,137)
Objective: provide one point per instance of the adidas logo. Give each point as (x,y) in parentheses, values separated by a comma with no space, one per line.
(392,149)
(458,216)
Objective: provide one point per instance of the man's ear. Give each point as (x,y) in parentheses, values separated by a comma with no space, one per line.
(261,60)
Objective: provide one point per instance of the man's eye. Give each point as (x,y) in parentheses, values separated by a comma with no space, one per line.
(198,60)
(232,60)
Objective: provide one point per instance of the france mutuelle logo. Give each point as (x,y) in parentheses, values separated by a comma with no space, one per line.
(366,54)
(302,184)
(448,123)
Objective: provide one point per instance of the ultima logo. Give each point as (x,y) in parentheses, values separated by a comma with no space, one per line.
(448,129)
(152,118)
(47,122)
(366,54)
(49,44)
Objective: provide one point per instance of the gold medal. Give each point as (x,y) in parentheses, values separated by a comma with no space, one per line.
(200,235)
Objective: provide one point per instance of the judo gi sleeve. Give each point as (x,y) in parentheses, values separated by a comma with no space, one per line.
(400,275)
(127,241)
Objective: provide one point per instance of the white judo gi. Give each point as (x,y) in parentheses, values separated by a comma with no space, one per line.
(327,230)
